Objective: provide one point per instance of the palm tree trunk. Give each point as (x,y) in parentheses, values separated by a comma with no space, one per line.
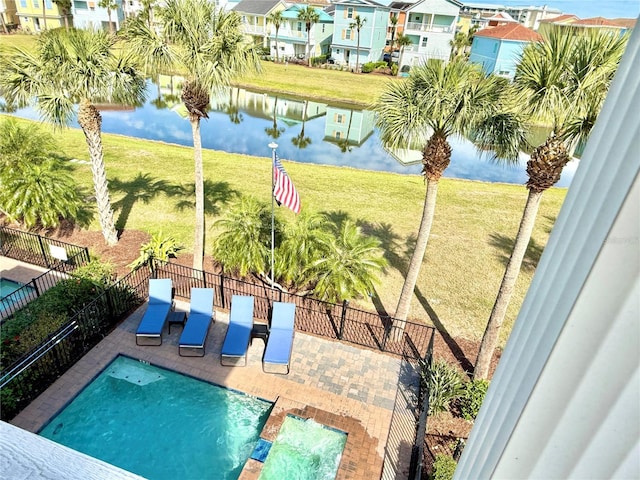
(66,20)
(4,25)
(277,50)
(90,122)
(492,331)
(198,243)
(44,15)
(402,310)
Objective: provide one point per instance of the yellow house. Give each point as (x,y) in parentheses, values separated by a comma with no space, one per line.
(38,15)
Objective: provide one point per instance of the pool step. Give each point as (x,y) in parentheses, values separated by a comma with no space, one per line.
(262,450)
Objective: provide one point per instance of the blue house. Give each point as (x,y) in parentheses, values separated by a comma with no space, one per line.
(499,49)
(373,34)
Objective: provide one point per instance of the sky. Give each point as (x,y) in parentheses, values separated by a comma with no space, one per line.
(581,8)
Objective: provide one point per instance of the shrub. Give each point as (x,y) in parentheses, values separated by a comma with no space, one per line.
(99,273)
(158,248)
(473,394)
(443,467)
(444,382)
(394,69)
(368,67)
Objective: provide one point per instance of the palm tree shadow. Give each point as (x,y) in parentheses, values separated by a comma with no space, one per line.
(504,246)
(143,188)
(336,218)
(215,195)
(398,256)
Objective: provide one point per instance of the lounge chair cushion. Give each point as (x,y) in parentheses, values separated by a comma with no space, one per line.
(154,319)
(280,342)
(237,340)
(196,329)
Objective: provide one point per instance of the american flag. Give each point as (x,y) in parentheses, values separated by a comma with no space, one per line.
(283,189)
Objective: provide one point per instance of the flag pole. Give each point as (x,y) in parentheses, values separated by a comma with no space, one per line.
(272,146)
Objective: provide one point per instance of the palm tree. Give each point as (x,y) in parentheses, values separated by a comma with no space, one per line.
(458,43)
(208,47)
(402,42)
(35,188)
(357,23)
(310,17)
(109,5)
(349,267)
(563,82)
(303,242)
(44,15)
(393,20)
(435,102)
(67,68)
(344,143)
(276,19)
(242,247)
(64,6)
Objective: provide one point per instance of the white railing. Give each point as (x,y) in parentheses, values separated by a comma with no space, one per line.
(253,29)
(422,27)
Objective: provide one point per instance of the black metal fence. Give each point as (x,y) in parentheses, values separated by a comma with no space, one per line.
(42,251)
(35,371)
(337,321)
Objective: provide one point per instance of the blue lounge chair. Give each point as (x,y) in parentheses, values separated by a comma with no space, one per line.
(236,341)
(280,342)
(196,329)
(155,317)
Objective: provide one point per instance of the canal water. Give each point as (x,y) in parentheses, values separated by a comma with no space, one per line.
(243,121)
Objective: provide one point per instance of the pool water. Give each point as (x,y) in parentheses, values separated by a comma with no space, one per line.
(7,287)
(304,450)
(160,424)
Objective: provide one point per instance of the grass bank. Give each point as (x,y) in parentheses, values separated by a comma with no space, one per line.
(470,242)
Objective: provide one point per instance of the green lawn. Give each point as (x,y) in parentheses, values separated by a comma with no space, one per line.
(18,40)
(470,242)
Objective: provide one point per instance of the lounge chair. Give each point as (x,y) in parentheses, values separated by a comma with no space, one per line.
(194,334)
(154,318)
(236,341)
(277,354)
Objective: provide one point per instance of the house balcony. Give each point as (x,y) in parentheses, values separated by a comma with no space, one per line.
(254,29)
(423,27)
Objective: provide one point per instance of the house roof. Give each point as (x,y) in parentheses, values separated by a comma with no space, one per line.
(256,7)
(567,18)
(510,31)
(597,21)
(503,17)
(368,3)
(291,13)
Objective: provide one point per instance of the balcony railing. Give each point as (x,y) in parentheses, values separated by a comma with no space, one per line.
(254,29)
(422,27)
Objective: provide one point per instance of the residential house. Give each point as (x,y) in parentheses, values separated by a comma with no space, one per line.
(499,49)
(8,15)
(431,26)
(373,34)
(32,16)
(619,25)
(88,14)
(398,9)
(254,17)
(528,16)
(292,34)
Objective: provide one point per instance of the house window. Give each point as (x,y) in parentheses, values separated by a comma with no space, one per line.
(80,5)
(338,135)
(347,34)
(424,42)
(495,47)
(323,28)
(23,4)
(299,26)
(36,4)
(48,5)
(350,12)
(340,118)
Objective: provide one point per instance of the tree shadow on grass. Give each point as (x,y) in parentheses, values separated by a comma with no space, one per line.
(504,247)
(143,188)
(399,255)
(216,194)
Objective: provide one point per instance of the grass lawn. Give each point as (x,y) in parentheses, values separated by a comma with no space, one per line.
(18,40)
(471,237)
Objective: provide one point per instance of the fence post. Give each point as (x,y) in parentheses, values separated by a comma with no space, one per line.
(345,305)
(222,291)
(44,255)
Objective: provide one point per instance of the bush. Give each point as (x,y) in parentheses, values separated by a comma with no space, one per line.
(99,273)
(443,468)
(394,69)
(158,248)
(444,382)
(368,67)
(473,394)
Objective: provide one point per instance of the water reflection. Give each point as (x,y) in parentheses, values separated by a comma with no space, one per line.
(243,121)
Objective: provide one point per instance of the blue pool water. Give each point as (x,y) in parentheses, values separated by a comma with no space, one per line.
(161,424)
(304,450)
(7,287)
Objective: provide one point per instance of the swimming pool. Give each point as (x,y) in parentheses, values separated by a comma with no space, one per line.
(304,450)
(160,424)
(7,287)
